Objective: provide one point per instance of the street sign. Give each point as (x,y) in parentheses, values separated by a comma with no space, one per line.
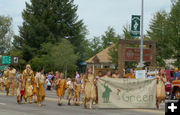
(3,67)
(15,60)
(133,54)
(6,59)
(135,25)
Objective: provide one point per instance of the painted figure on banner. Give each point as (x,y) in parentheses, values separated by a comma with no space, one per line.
(106,93)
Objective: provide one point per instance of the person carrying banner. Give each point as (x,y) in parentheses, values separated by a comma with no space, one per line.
(89,88)
(116,74)
(28,77)
(131,74)
(108,74)
(160,88)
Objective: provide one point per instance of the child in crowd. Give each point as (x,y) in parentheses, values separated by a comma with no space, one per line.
(77,92)
(20,89)
(61,86)
(70,90)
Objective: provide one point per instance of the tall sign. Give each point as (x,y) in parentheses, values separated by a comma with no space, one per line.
(135,25)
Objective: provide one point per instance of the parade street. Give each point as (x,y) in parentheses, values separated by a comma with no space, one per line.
(8,106)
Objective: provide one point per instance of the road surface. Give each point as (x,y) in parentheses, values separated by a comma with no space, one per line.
(8,106)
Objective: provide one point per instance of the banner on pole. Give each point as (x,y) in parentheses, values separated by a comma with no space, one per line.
(126,93)
(135,25)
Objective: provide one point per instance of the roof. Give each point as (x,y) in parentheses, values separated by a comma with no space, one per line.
(101,57)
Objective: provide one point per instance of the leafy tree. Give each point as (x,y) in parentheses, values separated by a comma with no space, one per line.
(6,33)
(109,37)
(174,30)
(159,32)
(49,21)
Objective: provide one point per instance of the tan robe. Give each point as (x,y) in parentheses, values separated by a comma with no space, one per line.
(89,87)
(28,79)
(40,90)
(61,87)
(77,90)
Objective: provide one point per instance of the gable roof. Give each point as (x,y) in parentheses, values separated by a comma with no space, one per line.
(101,57)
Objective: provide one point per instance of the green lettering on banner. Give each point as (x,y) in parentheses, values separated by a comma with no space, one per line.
(126,93)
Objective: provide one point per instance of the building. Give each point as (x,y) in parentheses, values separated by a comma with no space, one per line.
(101,61)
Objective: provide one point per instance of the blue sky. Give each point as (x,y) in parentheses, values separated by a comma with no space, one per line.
(97,14)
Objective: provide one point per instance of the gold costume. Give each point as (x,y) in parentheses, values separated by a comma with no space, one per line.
(160,89)
(70,90)
(77,90)
(40,90)
(20,87)
(61,87)
(89,88)
(28,77)
(1,83)
(10,80)
(129,75)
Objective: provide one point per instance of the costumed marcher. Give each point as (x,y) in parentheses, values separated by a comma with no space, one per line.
(100,75)
(20,88)
(89,88)
(5,77)
(116,74)
(71,89)
(40,90)
(61,86)
(160,88)
(1,81)
(11,80)
(131,74)
(28,80)
(77,92)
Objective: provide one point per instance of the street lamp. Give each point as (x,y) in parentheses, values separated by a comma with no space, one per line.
(142,34)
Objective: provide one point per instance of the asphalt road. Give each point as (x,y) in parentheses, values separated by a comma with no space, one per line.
(8,106)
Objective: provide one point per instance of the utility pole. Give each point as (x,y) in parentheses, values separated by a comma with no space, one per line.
(142,34)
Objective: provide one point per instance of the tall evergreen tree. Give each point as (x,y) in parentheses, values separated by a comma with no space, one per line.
(49,21)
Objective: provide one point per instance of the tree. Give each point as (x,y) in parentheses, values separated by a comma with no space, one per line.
(109,37)
(174,30)
(49,21)
(60,56)
(6,34)
(159,32)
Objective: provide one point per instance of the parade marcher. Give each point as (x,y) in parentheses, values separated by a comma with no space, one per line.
(160,88)
(130,75)
(11,80)
(77,86)
(20,88)
(71,90)
(176,74)
(28,80)
(61,86)
(89,88)
(5,77)
(100,74)
(116,74)
(77,75)
(1,82)
(40,81)
(108,74)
